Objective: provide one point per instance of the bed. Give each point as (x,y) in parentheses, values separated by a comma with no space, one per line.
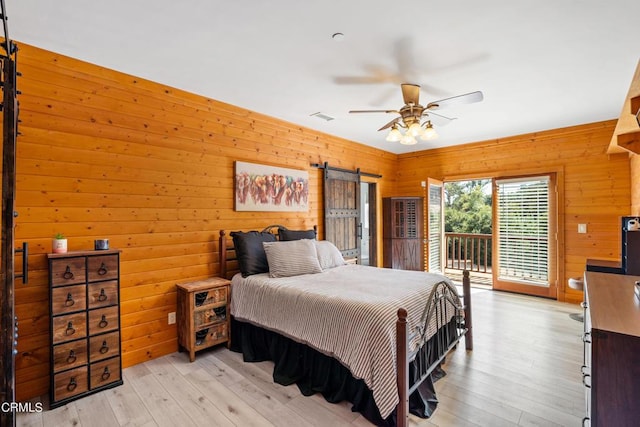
(375,337)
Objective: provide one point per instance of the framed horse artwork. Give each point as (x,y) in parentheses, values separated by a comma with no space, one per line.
(270,188)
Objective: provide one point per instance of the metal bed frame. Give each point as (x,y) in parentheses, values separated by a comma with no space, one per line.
(442,303)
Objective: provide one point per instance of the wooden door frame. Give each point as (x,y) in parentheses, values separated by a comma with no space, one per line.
(560,211)
(373,221)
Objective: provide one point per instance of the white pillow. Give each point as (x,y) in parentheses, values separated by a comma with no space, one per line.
(291,258)
(328,255)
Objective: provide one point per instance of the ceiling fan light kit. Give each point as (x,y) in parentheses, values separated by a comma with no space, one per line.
(428,132)
(411,114)
(414,131)
(394,135)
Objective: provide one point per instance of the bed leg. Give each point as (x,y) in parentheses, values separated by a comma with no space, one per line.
(402,412)
(466,290)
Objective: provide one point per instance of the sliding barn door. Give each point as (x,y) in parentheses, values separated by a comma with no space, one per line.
(7,311)
(342,211)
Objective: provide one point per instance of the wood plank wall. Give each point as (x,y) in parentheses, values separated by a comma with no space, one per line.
(106,155)
(596,185)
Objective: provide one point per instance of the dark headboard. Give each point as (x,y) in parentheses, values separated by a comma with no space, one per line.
(228,260)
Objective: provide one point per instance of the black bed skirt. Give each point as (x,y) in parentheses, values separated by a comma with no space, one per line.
(314,372)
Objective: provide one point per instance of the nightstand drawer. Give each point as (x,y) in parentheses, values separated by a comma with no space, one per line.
(104,346)
(103,294)
(212,335)
(68,299)
(106,372)
(70,383)
(68,271)
(69,327)
(69,355)
(103,320)
(102,267)
(203,317)
(213,296)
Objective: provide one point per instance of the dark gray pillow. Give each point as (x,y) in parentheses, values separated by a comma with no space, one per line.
(286,235)
(251,256)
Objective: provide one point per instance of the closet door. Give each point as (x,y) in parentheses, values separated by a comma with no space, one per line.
(402,233)
(342,211)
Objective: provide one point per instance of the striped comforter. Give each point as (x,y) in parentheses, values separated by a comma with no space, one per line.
(347,312)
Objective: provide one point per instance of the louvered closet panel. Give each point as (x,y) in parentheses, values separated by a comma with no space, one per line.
(402,233)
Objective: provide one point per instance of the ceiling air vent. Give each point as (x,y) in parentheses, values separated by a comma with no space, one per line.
(322,116)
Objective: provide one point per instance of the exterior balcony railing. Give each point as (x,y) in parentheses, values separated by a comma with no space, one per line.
(469,251)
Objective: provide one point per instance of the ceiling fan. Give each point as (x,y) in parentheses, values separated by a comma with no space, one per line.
(412,113)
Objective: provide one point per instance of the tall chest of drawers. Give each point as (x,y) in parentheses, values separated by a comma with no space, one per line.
(85,323)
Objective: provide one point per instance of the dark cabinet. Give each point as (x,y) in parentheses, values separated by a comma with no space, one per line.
(402,233)
(630,245)
(612,345)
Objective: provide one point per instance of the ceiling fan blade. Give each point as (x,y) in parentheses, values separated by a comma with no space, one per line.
(431,113)
(438,120)
(374,111)
(375,74)
(433,90)
(391,123)
(467,98)
(410,93)
(357,80)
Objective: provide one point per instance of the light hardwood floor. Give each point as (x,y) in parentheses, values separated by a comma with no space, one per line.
(524,371)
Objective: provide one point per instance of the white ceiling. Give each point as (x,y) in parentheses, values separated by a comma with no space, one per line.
(541,64)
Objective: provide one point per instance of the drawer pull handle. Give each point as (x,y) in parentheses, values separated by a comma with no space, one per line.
(106,374)
(72,357)
(103,322)
(585,420)
(69,301)
(104,347)
(72,384)
(583,304)
(103,269)
(584,380)
(586,338)
(102,296)
(70,329)
(68,274)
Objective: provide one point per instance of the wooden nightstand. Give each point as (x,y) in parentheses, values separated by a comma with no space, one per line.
(203,314)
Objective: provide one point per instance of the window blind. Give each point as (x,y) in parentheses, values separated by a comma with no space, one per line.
(435,229)
(523,230)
